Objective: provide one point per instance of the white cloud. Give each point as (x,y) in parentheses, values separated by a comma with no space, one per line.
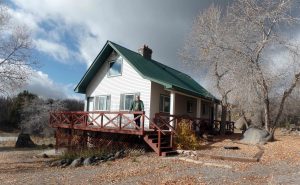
(56,50)
(39,83)
(92,22)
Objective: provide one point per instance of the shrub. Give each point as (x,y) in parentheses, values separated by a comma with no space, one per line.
(186,138)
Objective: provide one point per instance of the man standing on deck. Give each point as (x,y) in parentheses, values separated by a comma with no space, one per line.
(137,106)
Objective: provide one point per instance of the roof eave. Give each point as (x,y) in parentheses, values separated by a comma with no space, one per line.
(78,88)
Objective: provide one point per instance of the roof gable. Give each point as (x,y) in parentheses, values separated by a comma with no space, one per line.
(149,69)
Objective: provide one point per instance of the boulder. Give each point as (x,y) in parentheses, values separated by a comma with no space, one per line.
(88,161)
(255,136)
(77,162)
(24,141)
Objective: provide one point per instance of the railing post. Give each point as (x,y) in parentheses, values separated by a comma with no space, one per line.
(101,124)
(120,121)
(158,143)
(56,140)
(171,140)
(71,120)
(143,122)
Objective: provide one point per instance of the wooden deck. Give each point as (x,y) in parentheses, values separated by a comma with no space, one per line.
(159,137)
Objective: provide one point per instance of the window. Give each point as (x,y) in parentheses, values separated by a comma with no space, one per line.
(205,108)
(164,103)
(126,100)
(189,106)
(115,67)
(102,102)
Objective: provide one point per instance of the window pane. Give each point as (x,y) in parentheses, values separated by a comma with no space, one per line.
(128,101)
(166,104)
(108,103)
(161,104)
(189,106)
(115,67)
(102,103)
(96,104)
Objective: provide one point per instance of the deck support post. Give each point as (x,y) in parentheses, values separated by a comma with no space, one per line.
(198,113)
(159,143)
(172,107)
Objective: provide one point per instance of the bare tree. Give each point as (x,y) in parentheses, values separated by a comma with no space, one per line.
(15,53)
(204,48)
(35,116)
(248,41)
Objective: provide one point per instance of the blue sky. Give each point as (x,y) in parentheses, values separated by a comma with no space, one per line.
(67,36)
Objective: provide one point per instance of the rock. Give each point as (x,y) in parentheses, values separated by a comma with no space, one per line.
(180,151)
(77,162)
(88,161)
(194,153)
(55,163)
(45,156)
(111,158)
(119,154)
(208,137)
(24,141)
(255,136)
(98,162)
(187,152)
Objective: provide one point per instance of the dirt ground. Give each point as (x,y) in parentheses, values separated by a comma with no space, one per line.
(280,164)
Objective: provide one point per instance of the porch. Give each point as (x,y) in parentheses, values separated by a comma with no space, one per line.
(159,136)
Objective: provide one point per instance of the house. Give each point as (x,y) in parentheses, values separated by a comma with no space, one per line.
(111,84)
(118,74)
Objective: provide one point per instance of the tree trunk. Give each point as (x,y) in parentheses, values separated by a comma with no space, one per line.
(267,114)
(223,120)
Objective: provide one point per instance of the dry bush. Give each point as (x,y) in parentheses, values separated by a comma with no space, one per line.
(186,138)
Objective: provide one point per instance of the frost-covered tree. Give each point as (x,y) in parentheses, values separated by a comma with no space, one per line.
(15,52)
(35,116)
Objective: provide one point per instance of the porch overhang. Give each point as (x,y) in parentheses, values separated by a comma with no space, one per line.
(209,97)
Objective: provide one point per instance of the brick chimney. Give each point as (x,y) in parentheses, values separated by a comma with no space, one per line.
(146,52)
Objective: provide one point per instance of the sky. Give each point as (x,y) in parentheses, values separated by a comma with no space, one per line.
(67,35)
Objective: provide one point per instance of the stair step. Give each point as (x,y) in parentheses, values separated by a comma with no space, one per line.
(169,153)
(166,148)
(155,140)
(163,144)
(153,136)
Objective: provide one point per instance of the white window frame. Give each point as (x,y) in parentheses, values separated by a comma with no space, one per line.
(107,102)
(122,108)
(116,60)
(163,103)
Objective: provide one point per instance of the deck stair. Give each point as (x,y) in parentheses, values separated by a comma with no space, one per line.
(160,142)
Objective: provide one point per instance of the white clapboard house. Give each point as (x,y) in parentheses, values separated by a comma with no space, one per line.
(118,74)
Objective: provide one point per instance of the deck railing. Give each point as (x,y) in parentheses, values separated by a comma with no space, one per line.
(198,124)
(99,120)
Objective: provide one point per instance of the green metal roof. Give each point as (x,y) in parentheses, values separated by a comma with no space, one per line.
(149,69)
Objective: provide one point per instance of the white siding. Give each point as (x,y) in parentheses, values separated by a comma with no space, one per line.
(129,82)
(156,91)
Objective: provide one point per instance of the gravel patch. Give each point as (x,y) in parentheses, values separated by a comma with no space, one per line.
(279,165)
